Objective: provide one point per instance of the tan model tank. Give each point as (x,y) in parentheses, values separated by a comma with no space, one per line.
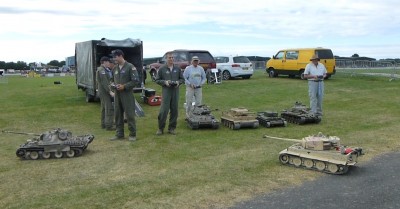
(237,118)
(54,143)
(319,152)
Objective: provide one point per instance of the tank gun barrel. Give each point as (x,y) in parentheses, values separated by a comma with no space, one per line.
(286,139)
(22,133)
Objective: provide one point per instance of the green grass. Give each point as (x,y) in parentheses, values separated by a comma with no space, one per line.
(194,169)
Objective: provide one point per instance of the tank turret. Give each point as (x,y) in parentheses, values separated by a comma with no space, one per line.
(200,117)
(54,143)
(237,118)
(319,152)
(300,114)
(270,119)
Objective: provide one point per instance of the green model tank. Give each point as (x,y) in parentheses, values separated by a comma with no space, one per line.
(237,118)
(200,117)
(319,152)
(270,119)
(300,114)
(54,143)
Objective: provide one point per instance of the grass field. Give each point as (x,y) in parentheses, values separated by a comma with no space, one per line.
(194,169)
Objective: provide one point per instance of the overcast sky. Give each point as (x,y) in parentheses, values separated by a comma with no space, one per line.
(45,30)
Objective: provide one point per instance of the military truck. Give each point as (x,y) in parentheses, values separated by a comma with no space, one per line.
(87,59)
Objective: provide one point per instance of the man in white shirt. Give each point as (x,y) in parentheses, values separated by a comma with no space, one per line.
(315,72)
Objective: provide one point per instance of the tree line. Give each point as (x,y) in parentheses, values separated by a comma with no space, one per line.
(21,65)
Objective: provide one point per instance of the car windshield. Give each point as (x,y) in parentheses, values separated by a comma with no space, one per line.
(241,59)
(203,56)
(221,59)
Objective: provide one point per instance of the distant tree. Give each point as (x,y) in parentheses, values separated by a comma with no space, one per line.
(54,63)
(20,65)
(355,55)
(2,65)
(62,63)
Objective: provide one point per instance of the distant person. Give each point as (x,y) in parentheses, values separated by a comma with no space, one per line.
(124,80)
(170,77)
(315,72)
(103,79)
(195,77)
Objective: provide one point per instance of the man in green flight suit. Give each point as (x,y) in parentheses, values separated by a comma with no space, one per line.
(103,78)
(124,80)
(170,77)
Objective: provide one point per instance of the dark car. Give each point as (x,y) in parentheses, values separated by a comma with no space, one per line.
(183,57)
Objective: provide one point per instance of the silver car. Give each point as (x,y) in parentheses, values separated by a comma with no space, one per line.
(234,66)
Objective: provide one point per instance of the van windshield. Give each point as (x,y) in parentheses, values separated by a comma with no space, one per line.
(324,54)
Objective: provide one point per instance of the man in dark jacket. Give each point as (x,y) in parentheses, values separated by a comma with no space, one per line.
(103,78)
(170,77)
(124,80)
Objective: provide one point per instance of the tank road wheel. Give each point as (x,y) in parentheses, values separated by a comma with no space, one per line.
(296,161)
(236,126)
(58,154)
(78,152)
(333,168)
(34,155)
(268,124)
(344,169)
(45,155)
(256,124)
(20,153)
(320,165)
(70,153)
(284,158)
(284,123)
(308,163)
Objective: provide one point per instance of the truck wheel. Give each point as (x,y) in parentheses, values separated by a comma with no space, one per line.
(272,74)
(302,74)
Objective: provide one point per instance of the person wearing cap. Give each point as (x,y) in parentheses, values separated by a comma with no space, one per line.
(315,72)
(124,80)
(195,77)
(103,78)
(170,77)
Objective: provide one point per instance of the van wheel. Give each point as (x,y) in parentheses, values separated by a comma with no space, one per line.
(302,74)
(89,98)
(272,74)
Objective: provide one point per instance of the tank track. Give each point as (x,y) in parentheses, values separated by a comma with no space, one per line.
(313,164)
(300,119)
(237,125)
(197,125)
(39,153)
(271,122)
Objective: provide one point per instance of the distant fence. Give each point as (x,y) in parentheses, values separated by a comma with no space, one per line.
(258,65)
(368,68)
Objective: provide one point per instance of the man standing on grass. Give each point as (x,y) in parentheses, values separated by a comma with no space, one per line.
(315,72)
(195,77)
(103,78)
(124,80)
(170,77)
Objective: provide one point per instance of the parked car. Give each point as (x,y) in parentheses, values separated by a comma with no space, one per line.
(234,66)
(183,57)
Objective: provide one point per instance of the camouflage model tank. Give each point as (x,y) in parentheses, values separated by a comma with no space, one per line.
(319,152)
(200,117)
(237,118)
(300,114)
(55,143)
(270,119)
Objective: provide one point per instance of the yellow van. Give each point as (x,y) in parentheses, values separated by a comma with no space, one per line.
(292,62)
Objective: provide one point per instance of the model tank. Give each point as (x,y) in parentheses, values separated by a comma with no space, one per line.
(270,119)
(200,117)
(319,152)
(300,114)
(237,118)
(54,143)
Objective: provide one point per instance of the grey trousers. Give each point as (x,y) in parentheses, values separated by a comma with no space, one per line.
(316,94)
(193,95)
